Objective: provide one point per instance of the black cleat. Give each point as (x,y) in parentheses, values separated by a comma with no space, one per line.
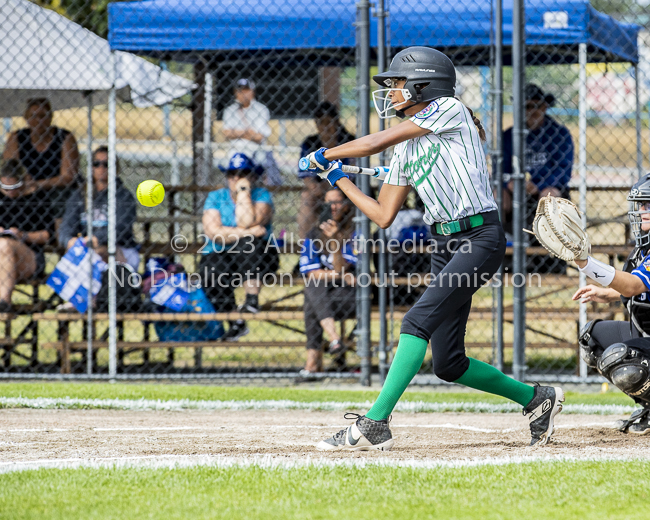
(365,434)
(236,330)
(541,411)
(640,428)
(249,306)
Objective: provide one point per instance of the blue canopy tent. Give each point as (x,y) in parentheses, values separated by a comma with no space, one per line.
(554,28)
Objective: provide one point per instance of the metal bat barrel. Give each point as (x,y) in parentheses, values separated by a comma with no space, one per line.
(379,172)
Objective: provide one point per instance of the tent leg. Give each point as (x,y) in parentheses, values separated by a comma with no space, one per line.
(89,233)
(112,172)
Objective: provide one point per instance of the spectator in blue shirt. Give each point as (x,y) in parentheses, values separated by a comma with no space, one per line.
(548,160)
(327,263)
(237,222)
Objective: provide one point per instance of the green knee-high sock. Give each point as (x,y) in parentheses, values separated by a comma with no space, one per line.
(406,363)
(485,377)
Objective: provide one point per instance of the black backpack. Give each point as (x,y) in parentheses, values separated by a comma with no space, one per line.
(128,296)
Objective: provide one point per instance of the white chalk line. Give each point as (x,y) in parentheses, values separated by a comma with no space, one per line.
(609,424)
(272,462)
(271,427)
(187,404)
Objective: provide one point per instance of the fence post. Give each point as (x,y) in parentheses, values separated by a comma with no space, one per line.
(518,203)
(497,153)
(582,168)
(363,181)
(384,365)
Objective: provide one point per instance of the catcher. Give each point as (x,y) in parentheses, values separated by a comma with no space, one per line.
(618,350)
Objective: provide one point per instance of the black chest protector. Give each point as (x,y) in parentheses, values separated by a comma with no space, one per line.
(638,306)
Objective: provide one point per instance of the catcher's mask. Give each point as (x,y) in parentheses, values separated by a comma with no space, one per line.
(640,197)
(429,75)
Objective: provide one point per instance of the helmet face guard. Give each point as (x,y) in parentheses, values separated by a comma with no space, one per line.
(384,104)
(639,215)
(641,237)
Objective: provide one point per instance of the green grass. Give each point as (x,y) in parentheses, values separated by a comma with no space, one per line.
(237,393)
(559,490)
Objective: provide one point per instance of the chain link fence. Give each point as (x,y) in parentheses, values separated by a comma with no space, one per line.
(217,100)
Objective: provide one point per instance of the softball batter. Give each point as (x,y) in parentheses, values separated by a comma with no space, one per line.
(437,152)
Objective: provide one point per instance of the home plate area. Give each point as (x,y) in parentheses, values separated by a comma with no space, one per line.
(68,438)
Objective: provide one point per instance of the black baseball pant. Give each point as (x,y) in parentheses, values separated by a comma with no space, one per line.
(463,263)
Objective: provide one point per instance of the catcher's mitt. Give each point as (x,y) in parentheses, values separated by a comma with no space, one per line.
(558,227)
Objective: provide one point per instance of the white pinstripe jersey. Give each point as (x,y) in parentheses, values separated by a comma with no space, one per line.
(447,166)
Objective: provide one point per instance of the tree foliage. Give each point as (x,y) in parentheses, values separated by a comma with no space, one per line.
(91,14)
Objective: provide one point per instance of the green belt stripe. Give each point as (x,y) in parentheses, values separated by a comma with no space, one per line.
(454,225)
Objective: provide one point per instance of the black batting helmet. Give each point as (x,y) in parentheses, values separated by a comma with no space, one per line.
(640,197)
(429,73)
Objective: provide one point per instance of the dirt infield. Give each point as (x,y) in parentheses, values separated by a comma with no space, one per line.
(33,435)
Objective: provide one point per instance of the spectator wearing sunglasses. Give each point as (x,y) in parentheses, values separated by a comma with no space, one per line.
(238,249)
(26,225)
(75,218)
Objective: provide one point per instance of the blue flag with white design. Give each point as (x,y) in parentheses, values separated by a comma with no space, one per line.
(70,278)
(171,292)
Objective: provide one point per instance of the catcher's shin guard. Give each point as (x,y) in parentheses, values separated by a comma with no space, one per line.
(590,349)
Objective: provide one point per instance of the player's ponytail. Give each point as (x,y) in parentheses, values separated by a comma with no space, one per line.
(479,125)
(477,122)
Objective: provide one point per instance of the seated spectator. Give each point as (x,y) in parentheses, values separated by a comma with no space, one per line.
(548,159)
(48,153)
(26,225)
(237,221)
(331,133)
(75,218)
(246,127)
(327,260)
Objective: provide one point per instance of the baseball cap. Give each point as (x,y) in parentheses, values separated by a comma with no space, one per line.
(241,162)
(244,83)
(534,92)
